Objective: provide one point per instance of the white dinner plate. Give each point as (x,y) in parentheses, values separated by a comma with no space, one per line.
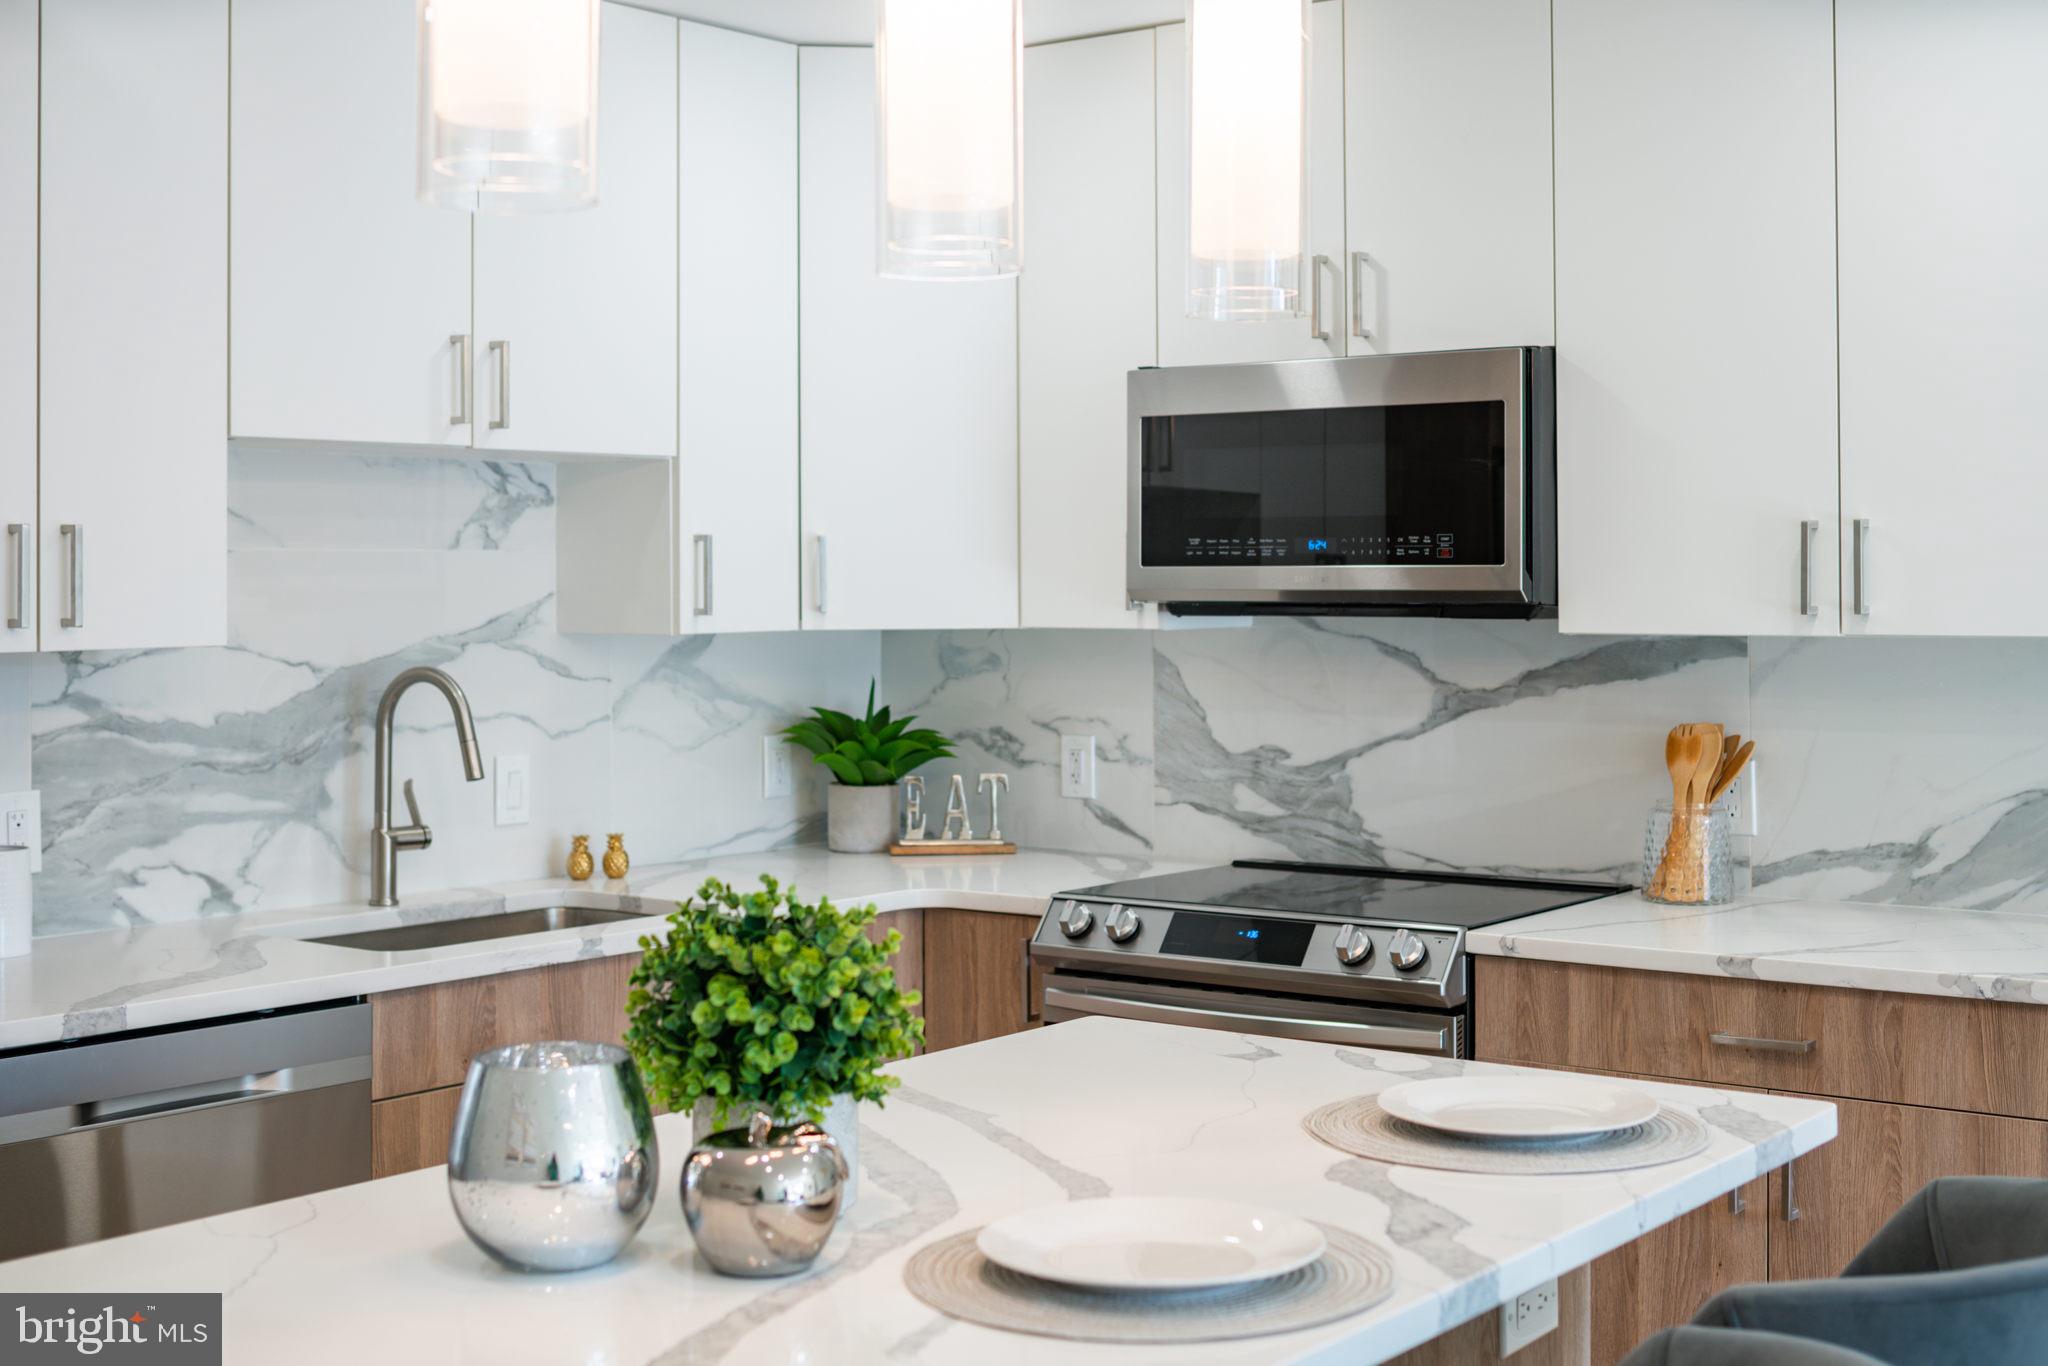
(1151,1243)
(1551,1106)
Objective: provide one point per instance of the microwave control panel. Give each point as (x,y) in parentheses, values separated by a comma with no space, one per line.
(1333,550)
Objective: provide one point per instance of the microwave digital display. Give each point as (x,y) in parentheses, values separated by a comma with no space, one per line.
(1408,484)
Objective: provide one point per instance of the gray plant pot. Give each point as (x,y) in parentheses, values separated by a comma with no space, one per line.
(859,820)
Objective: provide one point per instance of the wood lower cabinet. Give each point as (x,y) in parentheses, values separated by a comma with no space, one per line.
(410,1132)
(1664,1276)
(982,983)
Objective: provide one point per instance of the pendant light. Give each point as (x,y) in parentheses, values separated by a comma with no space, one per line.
(948,149)
(508,104)
(1247,82)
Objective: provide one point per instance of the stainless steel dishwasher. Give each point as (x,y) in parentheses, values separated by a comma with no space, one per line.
(101,1137)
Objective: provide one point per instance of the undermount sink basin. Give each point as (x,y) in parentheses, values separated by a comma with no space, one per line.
(437,934)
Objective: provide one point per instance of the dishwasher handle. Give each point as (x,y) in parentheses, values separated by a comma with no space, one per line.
(1416,1039)
(226,1091)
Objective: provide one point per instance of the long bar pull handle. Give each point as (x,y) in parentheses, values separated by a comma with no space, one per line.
(1030,1006)
(1315,302)
(1791,1194)
(73,535)
(820,563)
(1761,1045)
(17,611)
(1361,267)
(701,546)
(1808,531)
(458,415)
(503,349)
(1861,530)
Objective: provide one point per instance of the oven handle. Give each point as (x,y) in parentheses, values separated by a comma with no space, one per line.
(1269,1026)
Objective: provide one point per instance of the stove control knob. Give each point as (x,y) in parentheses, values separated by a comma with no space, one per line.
(1354,946)
(1076,920)
(1122,924)
(1407,950)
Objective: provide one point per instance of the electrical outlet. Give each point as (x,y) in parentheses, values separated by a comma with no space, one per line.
(778,767)
(24,825)
(1077,766)
(515,788)
(1527,1317)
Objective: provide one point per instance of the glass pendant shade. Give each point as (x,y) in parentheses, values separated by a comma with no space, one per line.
(508,104)
(949,151)
(1248,65)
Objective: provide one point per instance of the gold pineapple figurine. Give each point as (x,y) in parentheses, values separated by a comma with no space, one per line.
(615,861)
(581,864)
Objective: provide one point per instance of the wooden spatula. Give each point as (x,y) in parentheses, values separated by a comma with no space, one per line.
(1730,771)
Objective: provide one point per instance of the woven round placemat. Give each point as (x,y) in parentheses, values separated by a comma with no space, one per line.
(1360,1127)
(954,1278)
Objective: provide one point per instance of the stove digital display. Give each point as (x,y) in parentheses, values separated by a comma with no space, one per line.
(1237,938)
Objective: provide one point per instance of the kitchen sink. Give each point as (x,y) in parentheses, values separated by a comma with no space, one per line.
(437,934)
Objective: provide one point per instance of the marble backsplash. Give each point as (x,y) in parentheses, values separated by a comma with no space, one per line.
(179,783)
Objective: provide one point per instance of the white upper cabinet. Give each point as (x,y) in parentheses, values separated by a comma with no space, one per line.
(134,323)
(576,311)
(1193,341)
(346,288)
(1085,318)
(1447,173)
(1696,317)
(737,479)
(909,399)
(18,98)
(1944,205)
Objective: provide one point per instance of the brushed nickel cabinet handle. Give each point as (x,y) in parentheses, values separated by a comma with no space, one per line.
(820,562)
(17,612)
(458,415)
(701,546)
(1761,1045)
(1360,267)
(1807,532)
(1791,1195)
(73,535)
(1736,1204)
(503,350)
(1030,1006)
(1861,529)
(1317,266)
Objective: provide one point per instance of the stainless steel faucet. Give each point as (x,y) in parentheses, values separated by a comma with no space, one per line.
(385,842)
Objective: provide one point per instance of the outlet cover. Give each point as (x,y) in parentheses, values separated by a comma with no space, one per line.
(21,825)
(1528,1317)
(778,766)
(515,789)
(1077,766)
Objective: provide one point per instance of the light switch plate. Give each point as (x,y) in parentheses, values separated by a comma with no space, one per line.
(1077,766)
(515,789)
(778,767)
(21,825)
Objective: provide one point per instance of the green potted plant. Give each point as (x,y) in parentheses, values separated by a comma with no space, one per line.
(867,758)
(761,1001)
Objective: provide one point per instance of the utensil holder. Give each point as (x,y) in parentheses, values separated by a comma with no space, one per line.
(1688,857)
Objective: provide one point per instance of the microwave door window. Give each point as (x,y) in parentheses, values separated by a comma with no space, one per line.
(1344,486)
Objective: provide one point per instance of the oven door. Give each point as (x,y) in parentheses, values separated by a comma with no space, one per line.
(1390,481)
(1442,1033)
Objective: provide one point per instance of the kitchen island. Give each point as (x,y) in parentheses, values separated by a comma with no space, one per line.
(381,1272)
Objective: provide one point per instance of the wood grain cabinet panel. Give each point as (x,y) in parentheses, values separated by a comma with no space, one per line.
(981,981)
(411,1132)
(424,1037)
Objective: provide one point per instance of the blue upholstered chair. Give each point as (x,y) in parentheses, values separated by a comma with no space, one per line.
(1960,1274)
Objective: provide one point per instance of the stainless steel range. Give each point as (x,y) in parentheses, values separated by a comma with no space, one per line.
(1373,957)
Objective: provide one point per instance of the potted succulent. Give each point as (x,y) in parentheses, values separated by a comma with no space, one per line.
(867,758)
(761,1001)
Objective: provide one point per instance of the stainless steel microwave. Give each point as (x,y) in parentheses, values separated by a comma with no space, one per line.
(1410,484)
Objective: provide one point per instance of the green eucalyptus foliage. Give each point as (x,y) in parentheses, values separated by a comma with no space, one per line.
(759,999)
(871,752)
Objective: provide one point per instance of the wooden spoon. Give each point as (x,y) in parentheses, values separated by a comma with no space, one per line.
(1682,757)
(1730,771)
(1729,744)
(1709,763)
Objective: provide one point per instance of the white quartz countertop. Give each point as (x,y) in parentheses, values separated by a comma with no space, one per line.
(80,985)
(1986,955)
(381,1272)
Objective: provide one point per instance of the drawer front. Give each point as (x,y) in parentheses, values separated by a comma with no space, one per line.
(424,1037)
(410,1132)
(1828,1041)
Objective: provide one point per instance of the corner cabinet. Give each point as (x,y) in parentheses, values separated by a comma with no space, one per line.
(131,532)
(908,399)
(1696,390)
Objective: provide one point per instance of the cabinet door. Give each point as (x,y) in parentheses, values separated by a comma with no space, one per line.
(738,475)
(978,975)
(1844,1191)
(1194,341)
(1695,316)
(1942,116)
(1447,173)
(1663,1277)
(909,399)
(18,99)
(134,323)
(1086,316)
(576,312)
(346,288)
